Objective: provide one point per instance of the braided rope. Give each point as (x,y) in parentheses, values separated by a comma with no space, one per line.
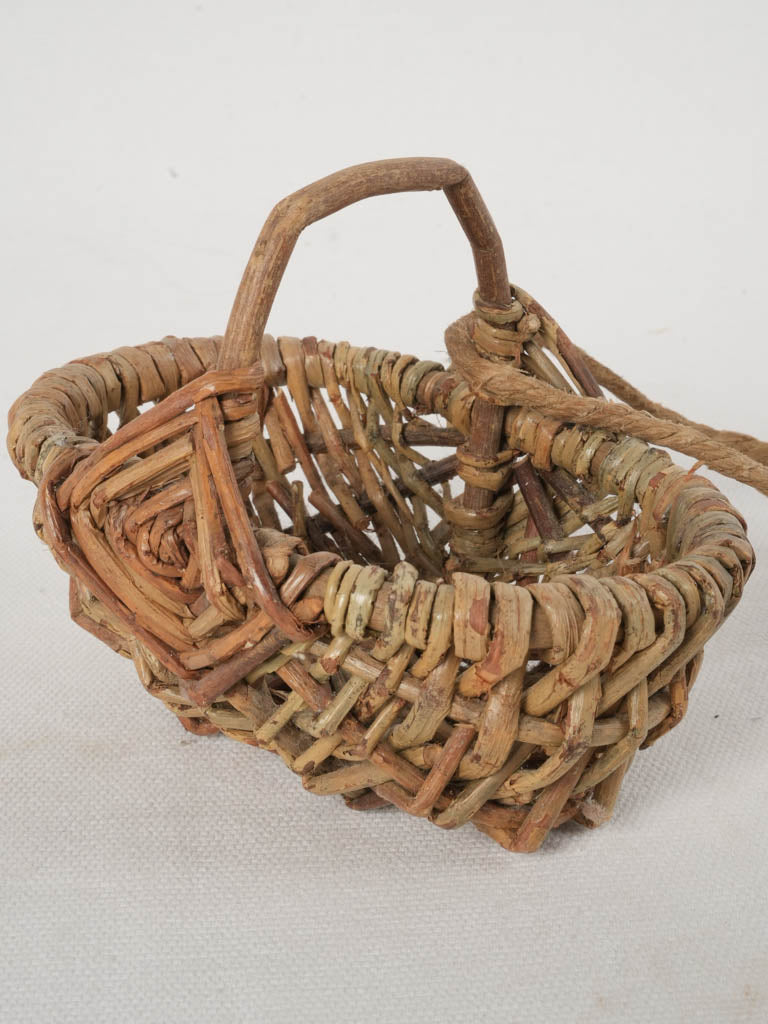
(503,384)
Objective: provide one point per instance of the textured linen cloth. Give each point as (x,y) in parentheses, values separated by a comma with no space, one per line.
(147,875)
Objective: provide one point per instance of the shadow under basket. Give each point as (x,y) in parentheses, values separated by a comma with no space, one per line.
(471,593)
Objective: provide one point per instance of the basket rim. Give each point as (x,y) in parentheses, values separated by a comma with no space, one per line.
(46,426)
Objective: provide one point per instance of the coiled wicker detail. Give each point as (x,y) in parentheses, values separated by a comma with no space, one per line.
(286,563)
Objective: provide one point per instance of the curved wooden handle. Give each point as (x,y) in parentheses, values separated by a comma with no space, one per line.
(289,218)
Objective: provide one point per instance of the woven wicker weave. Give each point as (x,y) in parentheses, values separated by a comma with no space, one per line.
(275,545)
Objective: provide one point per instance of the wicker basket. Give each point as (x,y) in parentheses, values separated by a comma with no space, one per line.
(287,559)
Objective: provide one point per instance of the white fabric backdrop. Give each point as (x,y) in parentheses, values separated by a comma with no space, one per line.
(148,875)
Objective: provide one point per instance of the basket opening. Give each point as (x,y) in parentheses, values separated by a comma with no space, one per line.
(372,483)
